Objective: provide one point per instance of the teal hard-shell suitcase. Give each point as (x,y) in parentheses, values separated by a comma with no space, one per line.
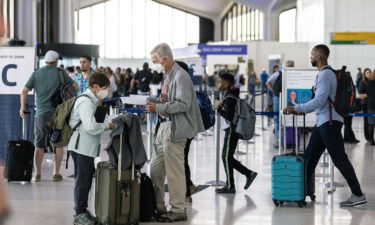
(288,175)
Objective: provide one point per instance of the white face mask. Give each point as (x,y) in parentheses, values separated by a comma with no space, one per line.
(159,68)
(102,94)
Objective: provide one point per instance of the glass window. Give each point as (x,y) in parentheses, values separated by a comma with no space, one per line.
(230,27)
(248,19)
(261,25)
(152,26)
(244,23)
(239,22)
(234,34)
(225,29)
(98,27)
(165,24)
(125,30)
(111,29)
(179,29)
(256,21)
(139,29)
(252,32)
(84,28)
(192,29)
(287,26)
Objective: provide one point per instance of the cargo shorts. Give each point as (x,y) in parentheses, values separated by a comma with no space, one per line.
(41,121)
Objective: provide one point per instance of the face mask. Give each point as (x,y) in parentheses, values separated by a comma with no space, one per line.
(159,68)
(102,94)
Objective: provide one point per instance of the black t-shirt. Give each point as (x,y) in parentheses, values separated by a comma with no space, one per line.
(369,89)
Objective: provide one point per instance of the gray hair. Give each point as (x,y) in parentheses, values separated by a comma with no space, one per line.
(162,50)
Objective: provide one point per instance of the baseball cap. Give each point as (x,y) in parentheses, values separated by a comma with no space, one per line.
(52,56)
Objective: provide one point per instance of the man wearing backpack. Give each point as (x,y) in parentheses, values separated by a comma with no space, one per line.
(46,83)
(143,79)
(274,85)
(327,132)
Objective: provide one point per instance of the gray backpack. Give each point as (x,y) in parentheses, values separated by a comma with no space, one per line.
(244,119)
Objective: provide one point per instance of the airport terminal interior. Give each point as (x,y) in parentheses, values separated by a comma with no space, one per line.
(196,112)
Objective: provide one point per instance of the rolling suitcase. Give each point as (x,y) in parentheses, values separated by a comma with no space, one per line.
(117,193)
(20,155)
(288,175)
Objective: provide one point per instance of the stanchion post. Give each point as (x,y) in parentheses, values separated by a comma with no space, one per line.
(217,181)
(149,135)
(262,110)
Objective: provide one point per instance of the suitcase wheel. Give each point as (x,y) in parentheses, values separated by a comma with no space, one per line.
(276,203)
(281,202)
(313,198)
(301,203)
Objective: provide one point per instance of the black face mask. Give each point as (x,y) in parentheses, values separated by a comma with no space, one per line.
(313,63)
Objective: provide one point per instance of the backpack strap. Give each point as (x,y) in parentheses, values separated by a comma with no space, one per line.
(74,129)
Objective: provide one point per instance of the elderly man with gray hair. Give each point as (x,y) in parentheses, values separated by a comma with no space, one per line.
(180,119)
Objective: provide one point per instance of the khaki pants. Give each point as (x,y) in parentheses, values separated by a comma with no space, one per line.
(168,159)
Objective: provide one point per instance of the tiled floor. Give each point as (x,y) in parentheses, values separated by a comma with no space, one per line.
(49,203)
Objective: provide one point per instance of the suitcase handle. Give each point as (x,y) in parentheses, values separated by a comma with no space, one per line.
(295,126)
(119,160)
(22,128)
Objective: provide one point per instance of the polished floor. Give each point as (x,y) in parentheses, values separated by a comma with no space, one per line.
(51,203)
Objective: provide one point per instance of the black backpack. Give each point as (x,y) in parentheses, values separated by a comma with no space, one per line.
(144,81)
(345,94)
(64,92)
(278,85)
(147,206)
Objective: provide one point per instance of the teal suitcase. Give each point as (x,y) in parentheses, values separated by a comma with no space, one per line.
(288,175)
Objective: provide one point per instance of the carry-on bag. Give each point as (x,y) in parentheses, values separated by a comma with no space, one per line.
(288,174)
(117,193)
(20,154)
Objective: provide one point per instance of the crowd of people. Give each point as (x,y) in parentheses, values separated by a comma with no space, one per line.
(177,107)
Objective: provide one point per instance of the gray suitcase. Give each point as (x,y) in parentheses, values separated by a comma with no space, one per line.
(117,194)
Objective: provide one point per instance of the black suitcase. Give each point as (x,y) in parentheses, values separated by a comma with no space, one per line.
(20,155)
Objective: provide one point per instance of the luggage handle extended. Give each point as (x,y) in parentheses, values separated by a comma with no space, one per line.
(23,127)
(119,160)
(295,126)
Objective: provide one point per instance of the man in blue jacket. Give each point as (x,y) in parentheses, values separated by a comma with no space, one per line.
(327,132)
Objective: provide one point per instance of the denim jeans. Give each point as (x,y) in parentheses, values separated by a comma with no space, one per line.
(276,117)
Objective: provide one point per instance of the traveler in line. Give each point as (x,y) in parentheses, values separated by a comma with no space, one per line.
(88,134)
(327,132)
(180,120)
(226,110)
(82,78)
(45,82)
(367,94)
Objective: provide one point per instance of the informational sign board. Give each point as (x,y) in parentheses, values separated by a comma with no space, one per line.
(16,66)
(297,89)
(195,63)
(353,38)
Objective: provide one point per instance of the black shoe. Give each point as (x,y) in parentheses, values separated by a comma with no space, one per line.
(225,190)
(250,179)
(372,143)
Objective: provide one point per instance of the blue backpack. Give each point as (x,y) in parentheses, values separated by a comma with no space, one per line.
(207,110)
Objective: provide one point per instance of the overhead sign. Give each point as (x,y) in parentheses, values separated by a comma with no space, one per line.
(16,66)
(222,49)
(354,38)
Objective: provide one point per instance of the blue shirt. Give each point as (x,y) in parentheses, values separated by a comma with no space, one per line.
(83,84)
(263,77)
(325,86)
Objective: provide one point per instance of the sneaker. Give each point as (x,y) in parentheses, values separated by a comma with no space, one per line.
(37,178)
(354,200)
(193,189)
(250,179)
(82,219)
(225,190)
(188,199)
(160,212)
(170,217)
(57,177)
(91,216)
